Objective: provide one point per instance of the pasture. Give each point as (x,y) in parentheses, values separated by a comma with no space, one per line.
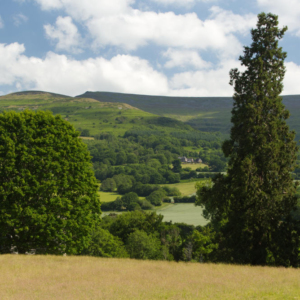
(183,213)
(193,166)
(75,277)
(185,188)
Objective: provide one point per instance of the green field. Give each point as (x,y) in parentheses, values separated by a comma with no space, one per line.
(108,196)
(34,277)
(185,188)
(183,213)
(111,196)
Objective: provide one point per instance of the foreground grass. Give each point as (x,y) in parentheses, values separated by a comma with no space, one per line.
(50,277)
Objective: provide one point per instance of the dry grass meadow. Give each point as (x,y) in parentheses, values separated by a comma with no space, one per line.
(57,277)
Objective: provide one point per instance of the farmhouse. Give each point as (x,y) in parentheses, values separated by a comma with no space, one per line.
(189,160)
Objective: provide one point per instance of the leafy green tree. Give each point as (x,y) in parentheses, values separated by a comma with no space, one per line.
(128,222)
(85,132)
(108,185)
(141,245)
(104,244)
(156,197)
(257,196)
(130,200)
(48,192)
(176,165)
(121,158)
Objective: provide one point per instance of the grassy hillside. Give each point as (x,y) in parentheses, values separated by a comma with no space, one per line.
(87,113)
(203,113)
(57,277)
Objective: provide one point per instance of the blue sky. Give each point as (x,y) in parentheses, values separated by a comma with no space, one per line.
(155,47)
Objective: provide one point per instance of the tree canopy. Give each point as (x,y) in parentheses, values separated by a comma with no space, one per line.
(48,192)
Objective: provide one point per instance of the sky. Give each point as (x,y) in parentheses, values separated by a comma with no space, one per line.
(153,47)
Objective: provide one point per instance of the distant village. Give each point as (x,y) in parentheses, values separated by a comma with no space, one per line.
(184,159)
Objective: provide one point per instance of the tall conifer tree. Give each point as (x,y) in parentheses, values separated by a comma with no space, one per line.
(254,200)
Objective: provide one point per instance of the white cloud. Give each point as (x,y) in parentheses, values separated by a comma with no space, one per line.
(185,3)
(83,10)
(122,73)
(291,79)
(184,58)
(65,33)
(60,74)
(137,29)
(213,82)
(116,23)
(288,12)
(19,19)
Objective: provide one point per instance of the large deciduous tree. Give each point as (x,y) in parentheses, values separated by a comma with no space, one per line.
(48,192)
(252,203)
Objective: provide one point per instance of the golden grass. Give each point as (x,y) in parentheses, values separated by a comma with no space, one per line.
(56,277)
(193,166)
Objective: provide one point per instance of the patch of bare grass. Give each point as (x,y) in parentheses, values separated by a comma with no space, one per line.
(50,277)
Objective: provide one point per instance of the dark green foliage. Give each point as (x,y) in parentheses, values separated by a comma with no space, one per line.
(108,185)
(176,166)
(253,202)
(156,197)
(104,244)
(48,192)
(85,132)
(141,245)
(127,223)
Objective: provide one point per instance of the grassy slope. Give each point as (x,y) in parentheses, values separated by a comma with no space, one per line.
(86,113)
(57,277)
(203,113)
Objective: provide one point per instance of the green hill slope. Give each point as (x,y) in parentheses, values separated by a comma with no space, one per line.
(90,114)
(203,113)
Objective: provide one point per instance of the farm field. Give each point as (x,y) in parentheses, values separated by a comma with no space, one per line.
(185,188)
(75,277)
(108,196)
(111,196)
(183,213)
(193,166)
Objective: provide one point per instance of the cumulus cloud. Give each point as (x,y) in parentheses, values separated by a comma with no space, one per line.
(137,29)
(288,11)
(184,58)
(116,23)
(211,82)
(19,19)
(60,74)
(65,33)
(122,73)
(291,79)
(83,10)
(185,3)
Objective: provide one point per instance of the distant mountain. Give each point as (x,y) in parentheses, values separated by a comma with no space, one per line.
(203,113)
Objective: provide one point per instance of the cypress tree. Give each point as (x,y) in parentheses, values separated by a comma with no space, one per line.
(253,202)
